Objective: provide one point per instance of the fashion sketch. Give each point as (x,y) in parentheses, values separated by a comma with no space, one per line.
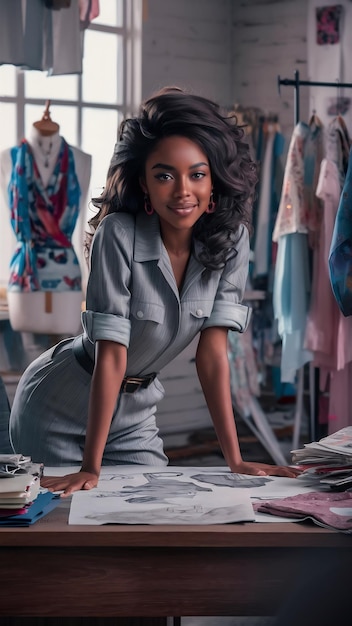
(164,497)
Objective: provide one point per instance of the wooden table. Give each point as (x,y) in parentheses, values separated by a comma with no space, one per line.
(53,570)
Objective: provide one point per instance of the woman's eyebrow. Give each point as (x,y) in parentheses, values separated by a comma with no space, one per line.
(165,166)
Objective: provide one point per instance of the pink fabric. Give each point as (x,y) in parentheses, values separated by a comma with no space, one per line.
(332,510)
(328,332)
(88,11)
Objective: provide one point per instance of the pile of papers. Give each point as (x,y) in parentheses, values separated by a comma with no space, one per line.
(329,460)
(22,501)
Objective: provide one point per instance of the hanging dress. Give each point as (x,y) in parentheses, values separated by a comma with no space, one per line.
(296,228)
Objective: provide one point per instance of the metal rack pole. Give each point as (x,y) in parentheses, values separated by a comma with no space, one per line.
(295,81)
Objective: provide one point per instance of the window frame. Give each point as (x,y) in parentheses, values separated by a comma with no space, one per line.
(130,31)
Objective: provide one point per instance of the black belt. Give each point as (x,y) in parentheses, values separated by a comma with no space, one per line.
(130,384)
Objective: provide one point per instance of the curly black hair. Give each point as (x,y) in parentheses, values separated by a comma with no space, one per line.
(172,111)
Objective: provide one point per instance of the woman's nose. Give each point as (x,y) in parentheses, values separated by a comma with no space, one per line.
(182,188)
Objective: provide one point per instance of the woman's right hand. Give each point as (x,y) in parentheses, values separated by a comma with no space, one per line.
(264,469)
(70,483)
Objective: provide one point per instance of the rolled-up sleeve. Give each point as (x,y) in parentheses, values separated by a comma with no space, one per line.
(108,290)
(227,309)
(106,326)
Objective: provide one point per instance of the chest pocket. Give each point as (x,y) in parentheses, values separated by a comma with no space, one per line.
(200,309)
(147,311)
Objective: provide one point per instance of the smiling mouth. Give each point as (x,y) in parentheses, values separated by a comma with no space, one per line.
(185,209)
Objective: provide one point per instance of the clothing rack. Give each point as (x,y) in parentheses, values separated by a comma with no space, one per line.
(313,372)
(297,83)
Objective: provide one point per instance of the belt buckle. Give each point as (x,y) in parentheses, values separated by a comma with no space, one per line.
(132,381)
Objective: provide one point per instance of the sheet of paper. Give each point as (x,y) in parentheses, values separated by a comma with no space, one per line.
(151,495)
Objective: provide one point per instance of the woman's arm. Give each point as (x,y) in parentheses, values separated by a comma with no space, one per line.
(109,370)
(214,375)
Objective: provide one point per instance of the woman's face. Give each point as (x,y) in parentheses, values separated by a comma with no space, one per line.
(178,182)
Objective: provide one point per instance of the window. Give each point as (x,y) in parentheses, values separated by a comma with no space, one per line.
(88,107)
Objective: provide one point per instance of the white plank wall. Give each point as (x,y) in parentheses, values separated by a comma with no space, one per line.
(269,39)
(188,43)
(231,51)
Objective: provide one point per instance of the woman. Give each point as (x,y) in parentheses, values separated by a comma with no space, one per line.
(168,260)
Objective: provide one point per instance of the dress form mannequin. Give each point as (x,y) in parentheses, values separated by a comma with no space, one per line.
(37,311)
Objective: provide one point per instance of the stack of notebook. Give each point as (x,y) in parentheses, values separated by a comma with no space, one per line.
(22,501)
(329,460)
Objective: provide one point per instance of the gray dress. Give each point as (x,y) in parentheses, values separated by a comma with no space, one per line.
(133,299)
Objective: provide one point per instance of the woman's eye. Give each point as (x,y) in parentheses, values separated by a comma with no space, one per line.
(163,177)
(198,175)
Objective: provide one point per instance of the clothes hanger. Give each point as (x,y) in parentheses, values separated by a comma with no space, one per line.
(46,126)
(341,121)
(339,118)
(315,120)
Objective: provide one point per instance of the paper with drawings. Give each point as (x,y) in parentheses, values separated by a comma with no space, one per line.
(152,495)
(175,495)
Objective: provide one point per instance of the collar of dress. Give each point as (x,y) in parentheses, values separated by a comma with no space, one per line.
(148,243)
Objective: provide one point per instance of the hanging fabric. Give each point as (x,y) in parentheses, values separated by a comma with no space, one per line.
(35,37)
(296,231)
(340,257)
(268,200)
(299,209)
(88,11)
(243,368)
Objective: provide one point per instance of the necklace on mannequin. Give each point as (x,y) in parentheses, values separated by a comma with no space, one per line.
(45,152)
